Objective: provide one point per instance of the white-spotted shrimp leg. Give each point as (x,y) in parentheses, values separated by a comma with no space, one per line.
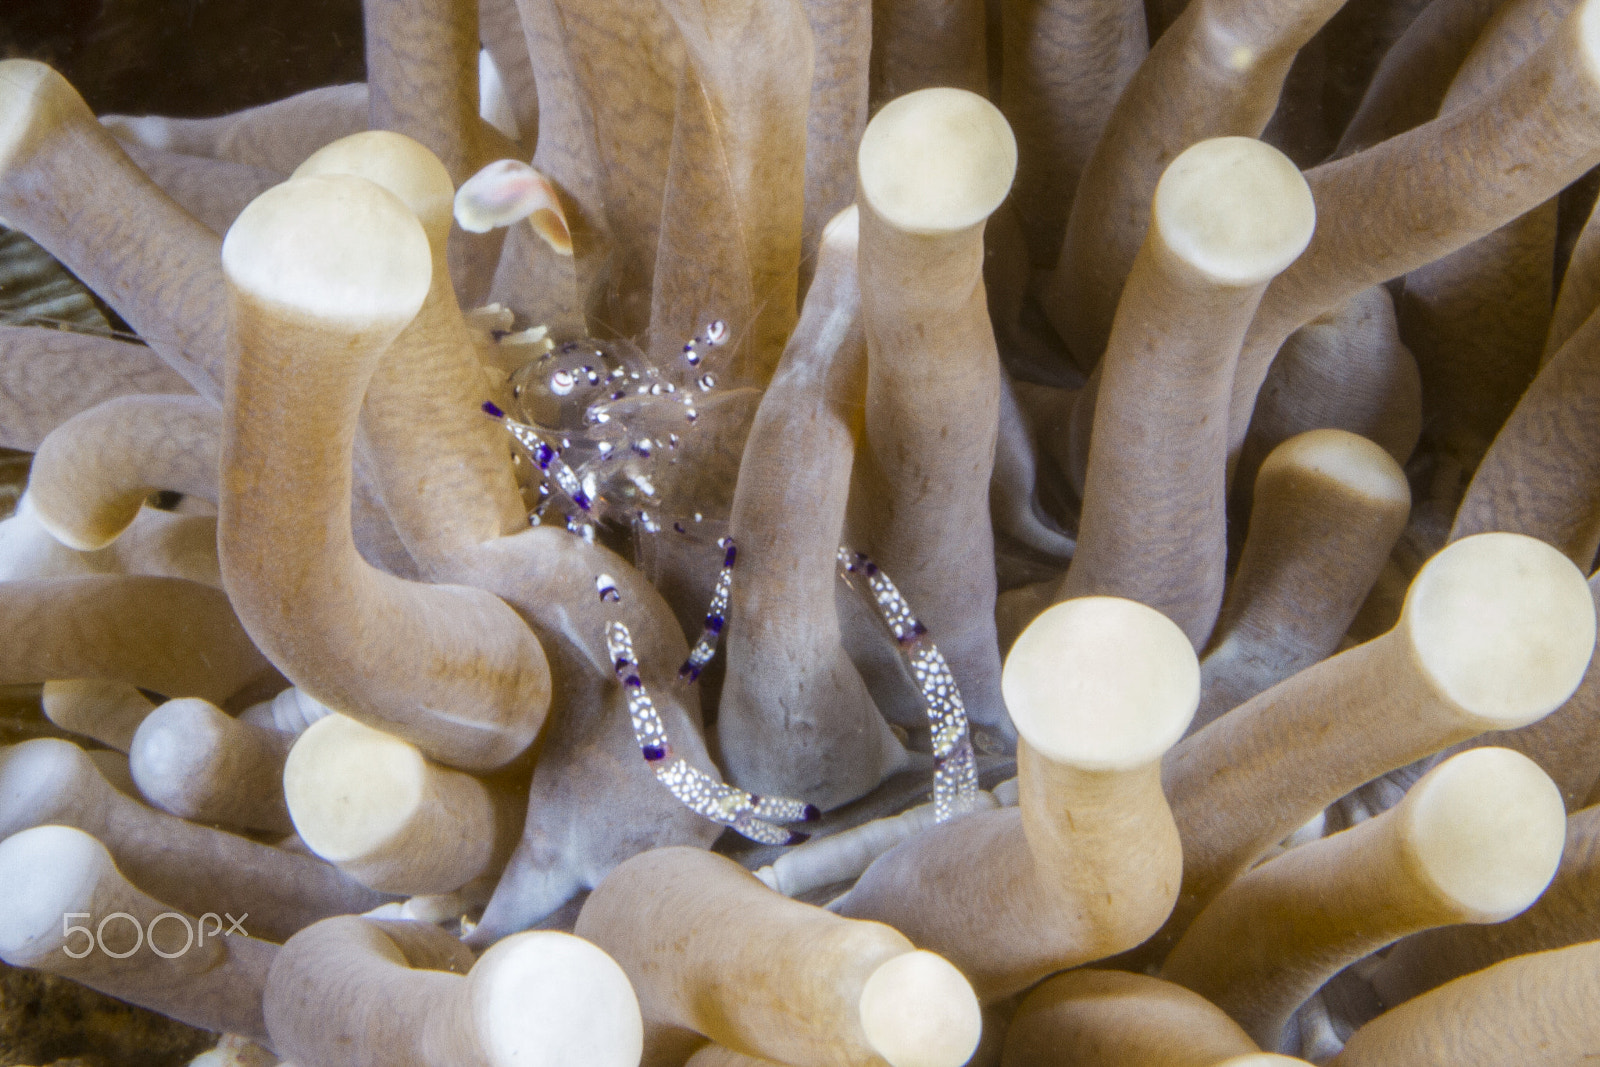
(716,616)
(753,816)
(955,775)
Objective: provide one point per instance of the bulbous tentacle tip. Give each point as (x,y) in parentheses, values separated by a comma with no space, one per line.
(1588,25)
(1102,683)
(1234,208)
(34,100)
(332,250)
(399,164)
(937,161)
(919,1011)
(1502,625)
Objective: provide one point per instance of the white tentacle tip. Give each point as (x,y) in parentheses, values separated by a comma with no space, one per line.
(1586,22)
(508,191)
(919,1011)
(1101,683)
(545,998)
(27,90)
(332,249)
(1235,209)
(45,872)
(936,161)
(1501,625)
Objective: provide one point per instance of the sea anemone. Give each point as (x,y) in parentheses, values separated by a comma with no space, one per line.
(592,432)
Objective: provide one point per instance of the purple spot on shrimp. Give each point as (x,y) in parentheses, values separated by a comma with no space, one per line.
(622,663)
(871,568)
(714,623)
(811,813)
(632,682)
(797,838)
(491,408)
(653,753)
(729,556)
(581,499)
(689,672)
(543,455)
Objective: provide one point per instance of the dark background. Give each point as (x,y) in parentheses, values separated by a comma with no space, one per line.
(187,57)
